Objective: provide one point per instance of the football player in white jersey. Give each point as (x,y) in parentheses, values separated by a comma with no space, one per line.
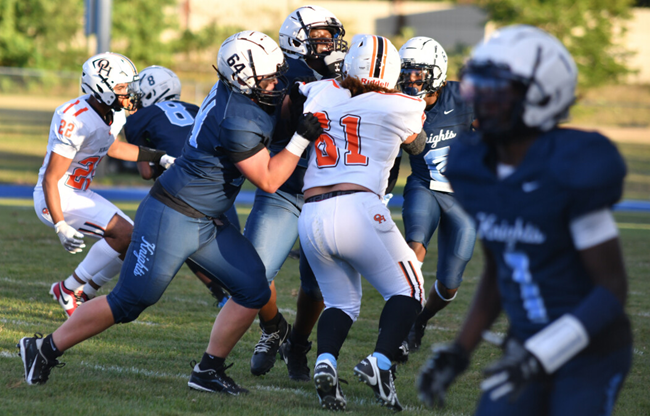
(345,229)
(82,132)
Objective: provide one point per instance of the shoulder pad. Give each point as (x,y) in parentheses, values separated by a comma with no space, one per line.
(586,160)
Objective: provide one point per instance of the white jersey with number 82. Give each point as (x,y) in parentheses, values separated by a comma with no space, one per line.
(361,135)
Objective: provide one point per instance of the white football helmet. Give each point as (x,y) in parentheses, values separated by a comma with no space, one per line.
(247,58)
(158,84)
(526,59)
(424,66)
(102,72)
(374,60)
(294,32)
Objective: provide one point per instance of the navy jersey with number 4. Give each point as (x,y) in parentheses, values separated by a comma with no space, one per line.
(162,126)
(229,127)
(446,120)
(523,219)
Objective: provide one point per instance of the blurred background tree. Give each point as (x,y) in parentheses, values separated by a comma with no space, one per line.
(590,29)
(41,34)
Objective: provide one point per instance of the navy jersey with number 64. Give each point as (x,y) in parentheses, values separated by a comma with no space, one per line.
(163,126)
(523,219)
(229,127)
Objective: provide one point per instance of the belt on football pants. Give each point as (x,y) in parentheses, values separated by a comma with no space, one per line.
(328,195)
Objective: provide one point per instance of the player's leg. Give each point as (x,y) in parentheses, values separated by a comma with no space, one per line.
(340,285)
(309,307)
(94,216)
(151,263)
(421,214)
(390,266)
(272,228)
(232,258)
(589,384)
(456,239)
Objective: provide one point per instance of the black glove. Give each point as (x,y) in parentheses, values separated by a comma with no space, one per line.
(440,370)
(512,372)
(309,127)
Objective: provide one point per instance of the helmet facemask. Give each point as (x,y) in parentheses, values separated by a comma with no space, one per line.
(499,99)
(334,43)
(419,79)
(133,94)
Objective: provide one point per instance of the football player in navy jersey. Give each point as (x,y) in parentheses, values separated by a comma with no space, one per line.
(312,40)
(428,198)
(541,197)
(182,216)
(164,122)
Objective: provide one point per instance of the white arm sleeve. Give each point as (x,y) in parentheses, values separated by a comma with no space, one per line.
(593,228)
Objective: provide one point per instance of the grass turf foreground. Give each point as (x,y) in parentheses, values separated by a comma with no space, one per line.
(142,368)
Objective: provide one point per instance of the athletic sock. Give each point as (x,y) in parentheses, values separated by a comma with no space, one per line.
(382,361)
(211,362)
(49,350)
(326,356)
(99,256)
(71,283)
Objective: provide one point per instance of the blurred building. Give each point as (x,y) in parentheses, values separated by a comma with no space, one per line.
(453,25)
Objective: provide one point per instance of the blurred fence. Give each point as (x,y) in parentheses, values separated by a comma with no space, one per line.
(28,97)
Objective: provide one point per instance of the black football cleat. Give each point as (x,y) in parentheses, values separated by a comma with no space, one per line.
(295,357)
(381,382)
(267,348)
(37,367)
(214,381)
(328,386)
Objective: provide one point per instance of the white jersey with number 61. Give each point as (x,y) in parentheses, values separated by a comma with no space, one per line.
(361,135)
(77,132)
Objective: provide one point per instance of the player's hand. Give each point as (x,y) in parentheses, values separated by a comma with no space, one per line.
(166,161)
(512,372)
(334,63)
(70,238)
(309,127)
(440,370)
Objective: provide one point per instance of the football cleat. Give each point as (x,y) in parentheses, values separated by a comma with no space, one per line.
(37,367)
(415,336)
(213,381)
(67,298)
(381,382)
(403,353)
(267,347)
(295,357)
(328,386)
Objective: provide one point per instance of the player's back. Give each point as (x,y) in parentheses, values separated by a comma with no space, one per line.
(362,134)
(163,126)
(79,133)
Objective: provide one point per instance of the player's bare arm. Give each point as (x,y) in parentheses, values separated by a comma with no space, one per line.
(604,263)
(269,173)
(56,168)
(124,151)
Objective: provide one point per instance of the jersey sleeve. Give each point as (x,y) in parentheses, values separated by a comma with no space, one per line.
(241,138)
(409,111)
(593,170)
(66,135)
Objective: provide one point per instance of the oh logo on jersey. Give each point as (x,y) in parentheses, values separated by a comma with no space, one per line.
(379,218)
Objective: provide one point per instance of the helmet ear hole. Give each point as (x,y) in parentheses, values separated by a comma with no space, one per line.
(99,89)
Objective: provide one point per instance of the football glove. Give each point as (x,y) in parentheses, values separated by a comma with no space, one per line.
(334,63)
(512,372)
(167,161)
(71,239)
(309,127)
(440,370)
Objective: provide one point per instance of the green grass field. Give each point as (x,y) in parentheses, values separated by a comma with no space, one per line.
(142,368)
